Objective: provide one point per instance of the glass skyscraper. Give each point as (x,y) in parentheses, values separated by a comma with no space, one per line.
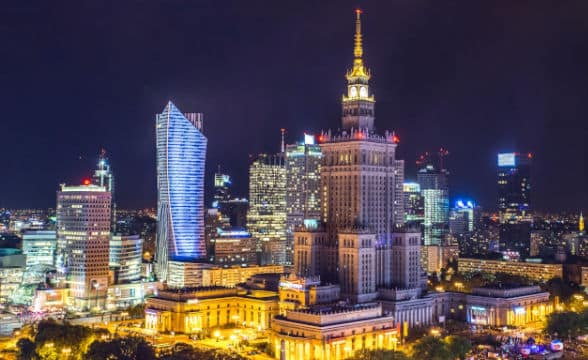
(181,155)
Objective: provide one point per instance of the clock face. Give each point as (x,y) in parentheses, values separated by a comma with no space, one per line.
(363,92)
(353,92)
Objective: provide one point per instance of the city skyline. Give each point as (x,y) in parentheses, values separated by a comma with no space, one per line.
(446,102)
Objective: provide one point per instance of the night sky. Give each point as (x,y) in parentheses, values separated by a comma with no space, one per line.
(476,77)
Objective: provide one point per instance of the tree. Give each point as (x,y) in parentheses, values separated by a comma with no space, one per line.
(431,348)
(379,355)
(26,349)
(458,346)
(566,324)
(126,348)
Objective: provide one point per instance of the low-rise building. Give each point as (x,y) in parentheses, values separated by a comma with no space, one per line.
(193,310)
(507,305)
(332,332)
(534,270)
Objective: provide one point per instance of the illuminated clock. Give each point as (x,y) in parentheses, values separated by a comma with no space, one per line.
(353,92)
(363,92)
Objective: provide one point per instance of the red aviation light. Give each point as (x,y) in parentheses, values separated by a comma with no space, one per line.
(321,138)
(395,139)
(86,182)
(530,155)
(358,11)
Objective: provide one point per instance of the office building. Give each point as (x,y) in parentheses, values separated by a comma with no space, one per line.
(266,219)
(414,204)
(103,177)
(514,202)
(303,164)
(126,254)
(83,236)
(433,182)
(39,247)
(463,217)
(181,155)
(222,188)
(234,246)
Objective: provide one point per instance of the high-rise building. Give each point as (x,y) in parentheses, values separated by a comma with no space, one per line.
(103,177)
(39,247)
(414,204)
(514,186)
(514,202)
(303,180)
(361,179)
(234,246)
(463,217)
(222,188)
(435,192)
(126,257)
(181,155)
(266,219)
(83,236)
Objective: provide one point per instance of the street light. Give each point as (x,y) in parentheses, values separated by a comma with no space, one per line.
(66,352)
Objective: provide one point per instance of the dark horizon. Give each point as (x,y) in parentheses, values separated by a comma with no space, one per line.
(476,78)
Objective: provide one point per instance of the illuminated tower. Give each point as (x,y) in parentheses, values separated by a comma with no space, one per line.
(581,223)
(181,155)
(358,104)
(361,180)
(83,236)
(103,177)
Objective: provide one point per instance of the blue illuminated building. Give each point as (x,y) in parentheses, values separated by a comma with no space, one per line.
(181,155)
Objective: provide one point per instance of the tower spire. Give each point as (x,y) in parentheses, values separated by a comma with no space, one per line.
(283,143)
(581,223)
(358,49)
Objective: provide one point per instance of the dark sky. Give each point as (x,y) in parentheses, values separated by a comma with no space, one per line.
(476,77)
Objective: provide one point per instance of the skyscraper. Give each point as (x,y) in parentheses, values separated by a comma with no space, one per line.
(361,182)
(435,191)
(222,188)
(83,236)
(514,202)
(103,177)
(514,186)
(303,162)
(181,155)
(126,257)
(414,204)
(266,219)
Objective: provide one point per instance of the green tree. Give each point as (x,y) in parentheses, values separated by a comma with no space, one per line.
(431,348)
(379,355)
(458,346)
(126,348)
(567,323)
(26,349)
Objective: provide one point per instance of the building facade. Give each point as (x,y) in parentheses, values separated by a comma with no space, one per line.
(126,256)
(303,198)
(266,219)
(536,271)
(39,247)
(181,156)
(83,236)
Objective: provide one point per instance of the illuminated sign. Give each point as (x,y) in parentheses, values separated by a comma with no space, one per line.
(308,139)
(478,308)
(507,159)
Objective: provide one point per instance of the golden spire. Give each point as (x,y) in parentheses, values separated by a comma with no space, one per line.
(358,70)
(358,50)
(581,223)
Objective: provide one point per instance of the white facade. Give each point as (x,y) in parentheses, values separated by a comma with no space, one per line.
(126,257)
(39,247)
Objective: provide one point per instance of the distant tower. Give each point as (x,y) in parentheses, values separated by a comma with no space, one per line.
(103,176)
(581,223)
(181,156)
(222,188)
(83,236)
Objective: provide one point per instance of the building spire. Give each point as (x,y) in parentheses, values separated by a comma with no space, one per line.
(283,143)
(358,49)
(581,223)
